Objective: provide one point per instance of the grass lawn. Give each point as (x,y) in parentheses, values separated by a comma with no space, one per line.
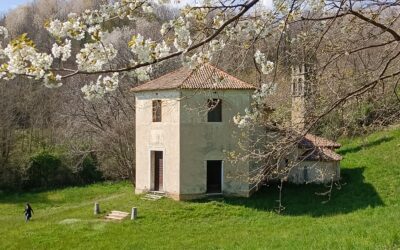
(363,214)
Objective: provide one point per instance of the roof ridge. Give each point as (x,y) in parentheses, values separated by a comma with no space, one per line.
(164,75)
(229,75)
(200,78)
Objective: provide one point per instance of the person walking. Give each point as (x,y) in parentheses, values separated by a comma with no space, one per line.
(28,212)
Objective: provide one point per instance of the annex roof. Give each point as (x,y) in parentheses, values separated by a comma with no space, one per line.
(321,154)
(311,141)
(319,149)
(206,77)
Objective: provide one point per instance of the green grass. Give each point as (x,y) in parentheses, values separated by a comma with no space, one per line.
(363,214)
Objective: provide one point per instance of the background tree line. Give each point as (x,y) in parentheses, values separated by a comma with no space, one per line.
(51,138)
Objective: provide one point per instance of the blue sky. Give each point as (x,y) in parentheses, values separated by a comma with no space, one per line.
(10,4)
(6,5)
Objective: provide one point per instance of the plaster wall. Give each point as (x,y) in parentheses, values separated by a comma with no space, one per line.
(158,136)
(315,172)
(201,141)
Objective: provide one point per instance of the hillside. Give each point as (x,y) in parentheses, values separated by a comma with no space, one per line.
(363,214)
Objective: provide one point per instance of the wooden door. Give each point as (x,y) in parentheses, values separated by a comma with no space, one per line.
(214,177)
(158,170)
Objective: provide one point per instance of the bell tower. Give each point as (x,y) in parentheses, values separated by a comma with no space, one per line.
(301,96)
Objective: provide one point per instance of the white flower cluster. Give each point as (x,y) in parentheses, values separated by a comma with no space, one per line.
(25,60)
(266,89)
(250,117)
(217,45)
(3,32)
(200,58)
(101,87)
(182,39)
(3,35)
(62,51)
(197,59)
(244,121)
(73,28)
(94,55)
(266,66)
(77,25)
(147,50)
(142,73)
(218,21)
(51,81)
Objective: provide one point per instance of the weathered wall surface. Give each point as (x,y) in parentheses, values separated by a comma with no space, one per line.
(299,112)
(315,172)
(201,141)
(157,136)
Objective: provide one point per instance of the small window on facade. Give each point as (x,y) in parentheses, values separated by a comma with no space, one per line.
(156,110)
(305,174)
(214,110)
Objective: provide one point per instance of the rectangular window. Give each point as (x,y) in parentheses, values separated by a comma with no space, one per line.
(214,110)
(156,110)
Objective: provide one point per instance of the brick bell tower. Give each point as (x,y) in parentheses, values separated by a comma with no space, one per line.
(301,96)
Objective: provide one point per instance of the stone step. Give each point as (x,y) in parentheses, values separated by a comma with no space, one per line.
(114,217)
(119,213)
(162,193)
(152,196)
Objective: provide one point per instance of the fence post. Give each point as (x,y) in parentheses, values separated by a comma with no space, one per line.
(134,213)
(96,208)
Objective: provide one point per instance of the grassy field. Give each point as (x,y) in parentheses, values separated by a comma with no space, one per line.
(363,214)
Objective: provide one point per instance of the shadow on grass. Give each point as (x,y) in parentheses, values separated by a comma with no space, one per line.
(354,194)
(362,146)
(36,197)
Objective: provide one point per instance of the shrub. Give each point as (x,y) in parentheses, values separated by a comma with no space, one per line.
(47,171)
(88,172)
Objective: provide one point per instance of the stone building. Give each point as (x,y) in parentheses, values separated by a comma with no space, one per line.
(316,161)
(184,127)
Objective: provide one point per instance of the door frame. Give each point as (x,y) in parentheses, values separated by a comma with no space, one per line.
(152,168)
(222,176)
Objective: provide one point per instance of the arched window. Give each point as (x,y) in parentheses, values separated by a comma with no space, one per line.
(300,87)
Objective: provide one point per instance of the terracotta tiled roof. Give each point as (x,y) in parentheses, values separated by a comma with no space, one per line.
(311,141)
(319,149)
(320,154)
(206,77)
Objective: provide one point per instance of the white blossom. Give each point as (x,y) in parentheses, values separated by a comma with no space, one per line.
(147,8)
(162,49)
(142,73)
(73,28)
(63,51)
(259,96)
(198,59)
(24,59)
(164,28)
(3,32)
(94,55)
(266,66)
(143,48)
(148,50)
(102,86)
(217,45)
(182,34)
(51,81)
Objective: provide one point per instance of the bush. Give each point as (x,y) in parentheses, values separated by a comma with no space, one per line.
(47,171)
(88,172)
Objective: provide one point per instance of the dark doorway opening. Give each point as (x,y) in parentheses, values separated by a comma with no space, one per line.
(214,177)
(158,170)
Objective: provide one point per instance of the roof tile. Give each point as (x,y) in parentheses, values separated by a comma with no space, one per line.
(206,77)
